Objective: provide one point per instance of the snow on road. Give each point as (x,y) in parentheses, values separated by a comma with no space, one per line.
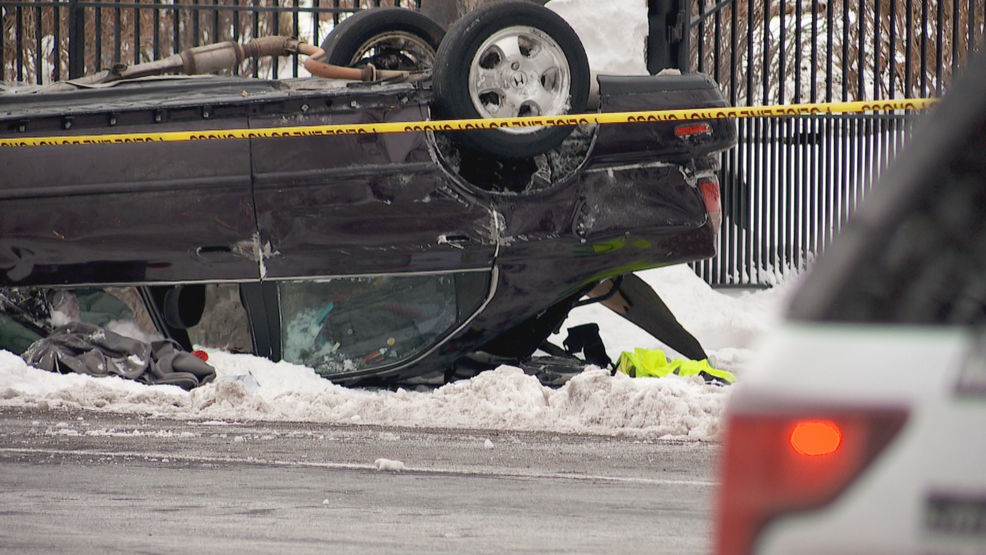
(254,388)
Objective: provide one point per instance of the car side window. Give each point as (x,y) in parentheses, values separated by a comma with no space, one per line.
(224,323)
(343,325)
(35,311)
(104,307)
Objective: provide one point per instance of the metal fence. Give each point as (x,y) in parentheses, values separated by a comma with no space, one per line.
(45,41)
(792,182)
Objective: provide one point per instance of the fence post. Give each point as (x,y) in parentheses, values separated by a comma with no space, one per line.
(667,39)
(76,40)
(683,32)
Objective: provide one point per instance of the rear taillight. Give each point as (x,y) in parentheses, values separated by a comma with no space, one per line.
(778,464)
(710,193)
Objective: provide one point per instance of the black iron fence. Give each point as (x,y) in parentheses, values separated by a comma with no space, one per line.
(45,41)
(792,182)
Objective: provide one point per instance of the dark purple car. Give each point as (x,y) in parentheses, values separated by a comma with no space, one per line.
(371,257)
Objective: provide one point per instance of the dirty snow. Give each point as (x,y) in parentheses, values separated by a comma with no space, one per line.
(254,388)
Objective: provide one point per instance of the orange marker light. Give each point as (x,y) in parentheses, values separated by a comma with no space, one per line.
(691,129)
(816,437)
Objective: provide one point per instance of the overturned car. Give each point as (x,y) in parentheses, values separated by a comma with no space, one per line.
(371,258)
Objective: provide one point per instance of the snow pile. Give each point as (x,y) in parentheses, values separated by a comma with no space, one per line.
(387,465)
(254,388)
(22,385)
(610,51)
(502,399)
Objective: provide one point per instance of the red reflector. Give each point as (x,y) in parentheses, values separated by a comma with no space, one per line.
(710,193)
(691,129)
(202,355)
(766,472)
(815,438)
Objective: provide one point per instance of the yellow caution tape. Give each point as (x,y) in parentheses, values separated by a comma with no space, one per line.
(476,124)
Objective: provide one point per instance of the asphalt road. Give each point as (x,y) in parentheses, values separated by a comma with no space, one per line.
(85,482)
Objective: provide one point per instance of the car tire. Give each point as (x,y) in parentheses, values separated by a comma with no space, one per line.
(390,38)
(505,60)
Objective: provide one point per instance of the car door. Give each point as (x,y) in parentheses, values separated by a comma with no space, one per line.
(362,204)
(127,213)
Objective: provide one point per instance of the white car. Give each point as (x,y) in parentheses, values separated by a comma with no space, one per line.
(863,430)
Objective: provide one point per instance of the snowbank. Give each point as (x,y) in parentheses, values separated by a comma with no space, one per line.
(502,399)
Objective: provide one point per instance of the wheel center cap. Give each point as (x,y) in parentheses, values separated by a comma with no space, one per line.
(518,80)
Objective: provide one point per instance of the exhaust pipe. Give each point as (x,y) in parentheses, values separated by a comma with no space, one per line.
(213,58)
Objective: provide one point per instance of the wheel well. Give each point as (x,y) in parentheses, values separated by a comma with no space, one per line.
(502,175)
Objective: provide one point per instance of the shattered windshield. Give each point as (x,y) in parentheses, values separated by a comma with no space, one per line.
(350,324)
